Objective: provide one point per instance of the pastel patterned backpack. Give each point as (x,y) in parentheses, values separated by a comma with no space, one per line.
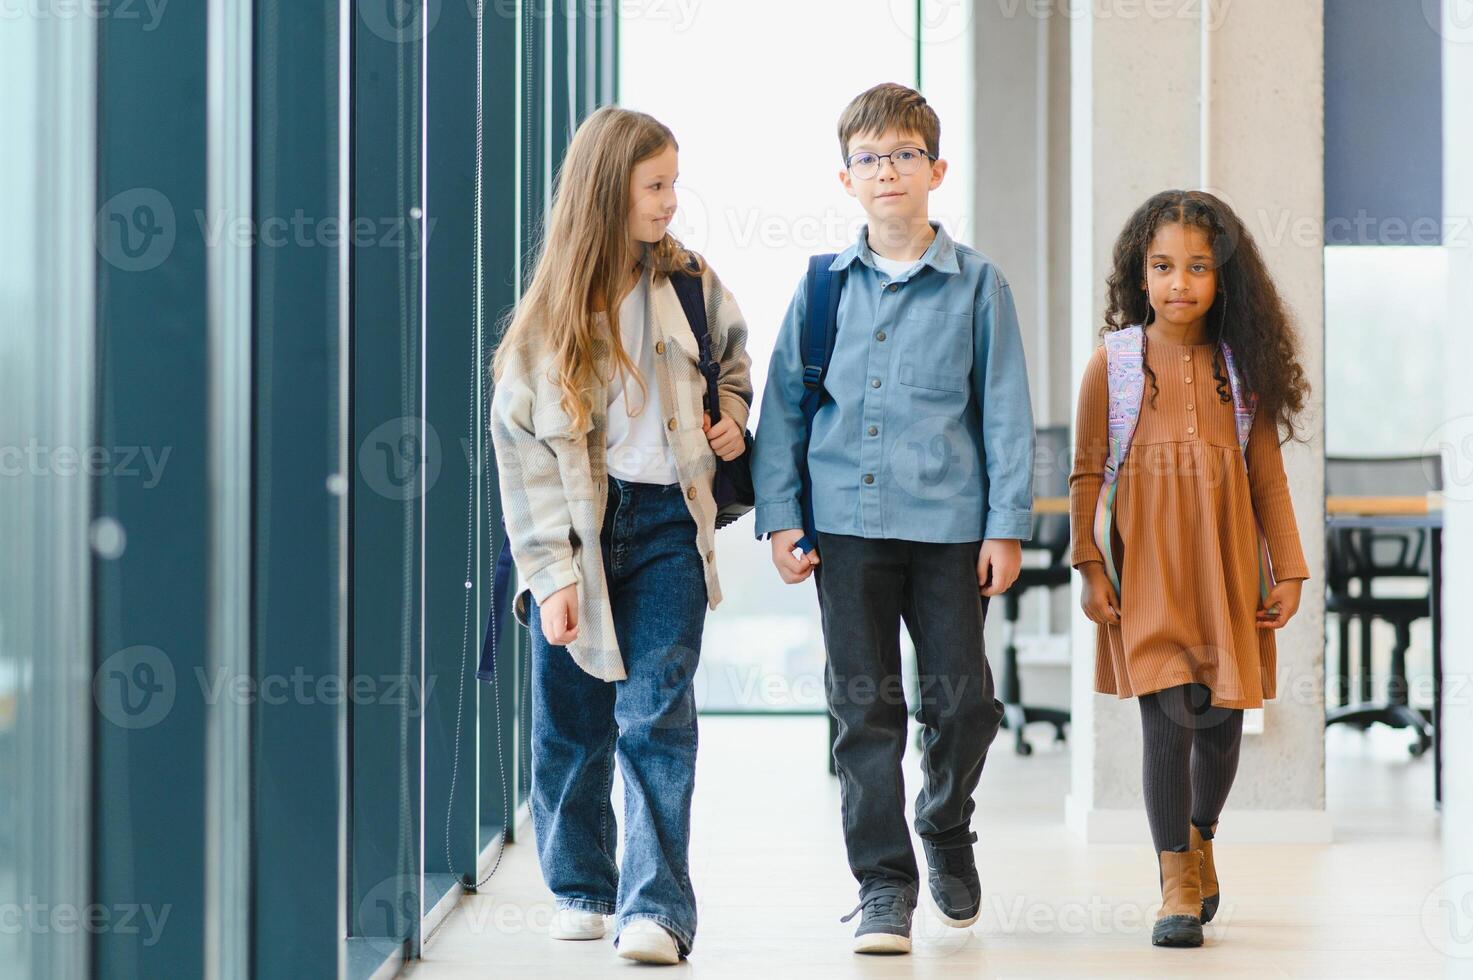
(1125,369)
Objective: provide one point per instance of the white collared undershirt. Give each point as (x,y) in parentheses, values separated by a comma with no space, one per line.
(638,447)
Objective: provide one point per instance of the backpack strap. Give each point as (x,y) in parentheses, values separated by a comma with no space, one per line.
(1125,371)
(689,288)
(820,326)
(502,578)
(1245,403)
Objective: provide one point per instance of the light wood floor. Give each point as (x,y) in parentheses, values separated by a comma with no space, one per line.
(768,866)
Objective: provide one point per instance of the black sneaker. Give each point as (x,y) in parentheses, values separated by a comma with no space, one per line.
(954,882)
(885,928)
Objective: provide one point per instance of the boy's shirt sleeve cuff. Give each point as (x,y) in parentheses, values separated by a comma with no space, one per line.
(1009,524)
(777,515)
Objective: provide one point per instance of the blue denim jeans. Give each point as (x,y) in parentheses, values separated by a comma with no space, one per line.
(657,587)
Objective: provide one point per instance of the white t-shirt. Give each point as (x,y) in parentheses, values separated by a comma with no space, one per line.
(893,268)
(638,448)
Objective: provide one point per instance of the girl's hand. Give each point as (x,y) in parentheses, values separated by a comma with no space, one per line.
(559,615)
(1281,605)
(725,438)
(997,565)
(1099,601)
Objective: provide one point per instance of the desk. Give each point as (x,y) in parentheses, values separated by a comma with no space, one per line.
(1388,513)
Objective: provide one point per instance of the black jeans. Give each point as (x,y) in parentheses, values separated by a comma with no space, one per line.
(866,587)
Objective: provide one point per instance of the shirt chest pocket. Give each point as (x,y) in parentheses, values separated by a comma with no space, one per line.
(936,350)
(552,426)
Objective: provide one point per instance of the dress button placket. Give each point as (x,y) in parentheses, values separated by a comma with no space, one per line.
(1191,429)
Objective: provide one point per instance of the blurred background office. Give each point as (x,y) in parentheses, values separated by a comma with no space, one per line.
(256,254)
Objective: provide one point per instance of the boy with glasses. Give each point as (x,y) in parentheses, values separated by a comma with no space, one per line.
(920,468)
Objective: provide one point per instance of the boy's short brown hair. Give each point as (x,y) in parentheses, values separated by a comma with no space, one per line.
(890,106)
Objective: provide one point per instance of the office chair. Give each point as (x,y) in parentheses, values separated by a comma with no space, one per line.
(1356,557)
(1051,540)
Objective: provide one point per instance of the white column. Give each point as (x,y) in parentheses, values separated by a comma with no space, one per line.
(1140,124)
(1019,176)
(1011,171)
(1450,902)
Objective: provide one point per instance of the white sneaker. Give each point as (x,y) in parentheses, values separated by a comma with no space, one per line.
(577,925)
(646,941)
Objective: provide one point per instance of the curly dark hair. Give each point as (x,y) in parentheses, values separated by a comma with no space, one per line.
(1247,312)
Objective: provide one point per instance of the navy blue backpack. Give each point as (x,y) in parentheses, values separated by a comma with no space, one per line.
(820,326)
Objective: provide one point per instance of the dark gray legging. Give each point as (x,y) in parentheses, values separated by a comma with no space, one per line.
(1191,757)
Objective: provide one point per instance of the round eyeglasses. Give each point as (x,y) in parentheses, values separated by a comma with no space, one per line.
(865,165)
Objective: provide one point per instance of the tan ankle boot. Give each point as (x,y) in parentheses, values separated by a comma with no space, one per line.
(1180,921)
(1211,891)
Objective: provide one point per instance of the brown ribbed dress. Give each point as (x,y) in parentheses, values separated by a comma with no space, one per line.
(1185,533)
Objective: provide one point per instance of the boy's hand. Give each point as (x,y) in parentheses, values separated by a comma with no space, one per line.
(725,438)
(1281,605)
(792,568)
(559,615)
(1099,600)
(997,565)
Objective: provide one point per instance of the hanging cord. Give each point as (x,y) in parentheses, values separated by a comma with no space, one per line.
(406,112)
(478,301)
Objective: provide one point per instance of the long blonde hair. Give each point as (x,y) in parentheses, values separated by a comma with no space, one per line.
(586,255)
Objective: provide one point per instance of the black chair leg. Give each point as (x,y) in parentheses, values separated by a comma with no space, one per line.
(1364,653)
(1394,712)
(1342,659)
(1017,716)
(1014,717)
(1398,687)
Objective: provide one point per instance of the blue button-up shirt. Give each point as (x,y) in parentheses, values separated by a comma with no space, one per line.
(925,432)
